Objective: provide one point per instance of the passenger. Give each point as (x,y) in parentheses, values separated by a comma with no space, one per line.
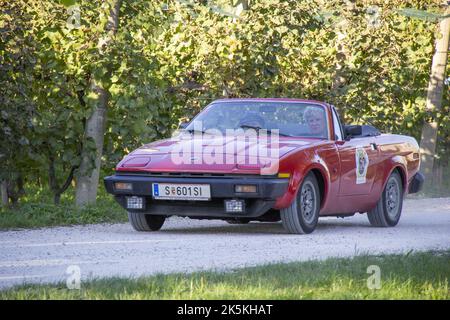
(315,118)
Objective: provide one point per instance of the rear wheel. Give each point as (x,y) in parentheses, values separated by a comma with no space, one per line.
(303,214)
(145,222)
(389,208)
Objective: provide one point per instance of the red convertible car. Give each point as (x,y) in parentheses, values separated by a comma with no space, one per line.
(292,160)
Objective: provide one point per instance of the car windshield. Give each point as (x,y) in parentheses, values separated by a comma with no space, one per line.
(289,118)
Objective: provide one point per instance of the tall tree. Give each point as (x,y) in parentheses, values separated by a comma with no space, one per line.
(434,96)
(88,175)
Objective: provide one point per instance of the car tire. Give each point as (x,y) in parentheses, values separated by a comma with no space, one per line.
(302,215)
(145,222)
(388,210)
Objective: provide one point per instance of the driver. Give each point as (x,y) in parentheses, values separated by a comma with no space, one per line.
(315,118)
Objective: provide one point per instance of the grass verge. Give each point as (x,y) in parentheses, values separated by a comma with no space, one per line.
(410,276)
(36,209)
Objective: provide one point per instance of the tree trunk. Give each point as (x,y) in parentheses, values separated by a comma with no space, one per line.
(56,198)
(4,192)
(15,189)
(87,178)
(53,181)
(339,78)
(87,182)
(434,98)
(245,4)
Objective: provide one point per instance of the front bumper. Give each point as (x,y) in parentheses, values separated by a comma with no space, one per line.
(222,188)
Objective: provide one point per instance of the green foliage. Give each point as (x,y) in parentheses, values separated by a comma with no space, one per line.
(291,49)
(16,62)
(409,276)
(168,60)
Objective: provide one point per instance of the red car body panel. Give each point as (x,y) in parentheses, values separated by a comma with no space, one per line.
(332,161)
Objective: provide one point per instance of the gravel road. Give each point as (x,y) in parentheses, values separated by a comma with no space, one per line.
(43,255)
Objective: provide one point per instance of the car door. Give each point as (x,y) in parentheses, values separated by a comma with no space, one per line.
(358,166)
(358,158)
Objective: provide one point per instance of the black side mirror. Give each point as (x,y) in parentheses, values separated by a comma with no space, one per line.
(352,131)
(183,125)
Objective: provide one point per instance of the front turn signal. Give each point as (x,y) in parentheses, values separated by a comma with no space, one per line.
(123,186)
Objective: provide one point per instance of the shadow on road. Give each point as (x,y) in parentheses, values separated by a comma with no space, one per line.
(263,228)
(251,228)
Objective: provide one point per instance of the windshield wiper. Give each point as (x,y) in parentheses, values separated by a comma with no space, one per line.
(269,131)
(257,128)
(192,131)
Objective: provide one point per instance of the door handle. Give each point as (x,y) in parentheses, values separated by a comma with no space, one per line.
(373,146)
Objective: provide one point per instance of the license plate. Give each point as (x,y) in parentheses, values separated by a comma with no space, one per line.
(171,191)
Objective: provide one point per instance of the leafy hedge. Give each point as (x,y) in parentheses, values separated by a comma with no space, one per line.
(169,59)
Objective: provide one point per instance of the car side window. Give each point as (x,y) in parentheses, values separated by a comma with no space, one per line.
(339,136)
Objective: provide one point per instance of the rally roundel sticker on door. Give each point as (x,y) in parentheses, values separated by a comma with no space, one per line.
(362,163)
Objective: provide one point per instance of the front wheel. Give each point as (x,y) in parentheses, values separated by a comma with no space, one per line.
(145,222)
(303,214)
(389,208)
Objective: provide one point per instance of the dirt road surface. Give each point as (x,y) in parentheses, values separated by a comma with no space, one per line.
(184,245)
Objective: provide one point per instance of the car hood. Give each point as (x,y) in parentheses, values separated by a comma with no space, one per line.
(188,153)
